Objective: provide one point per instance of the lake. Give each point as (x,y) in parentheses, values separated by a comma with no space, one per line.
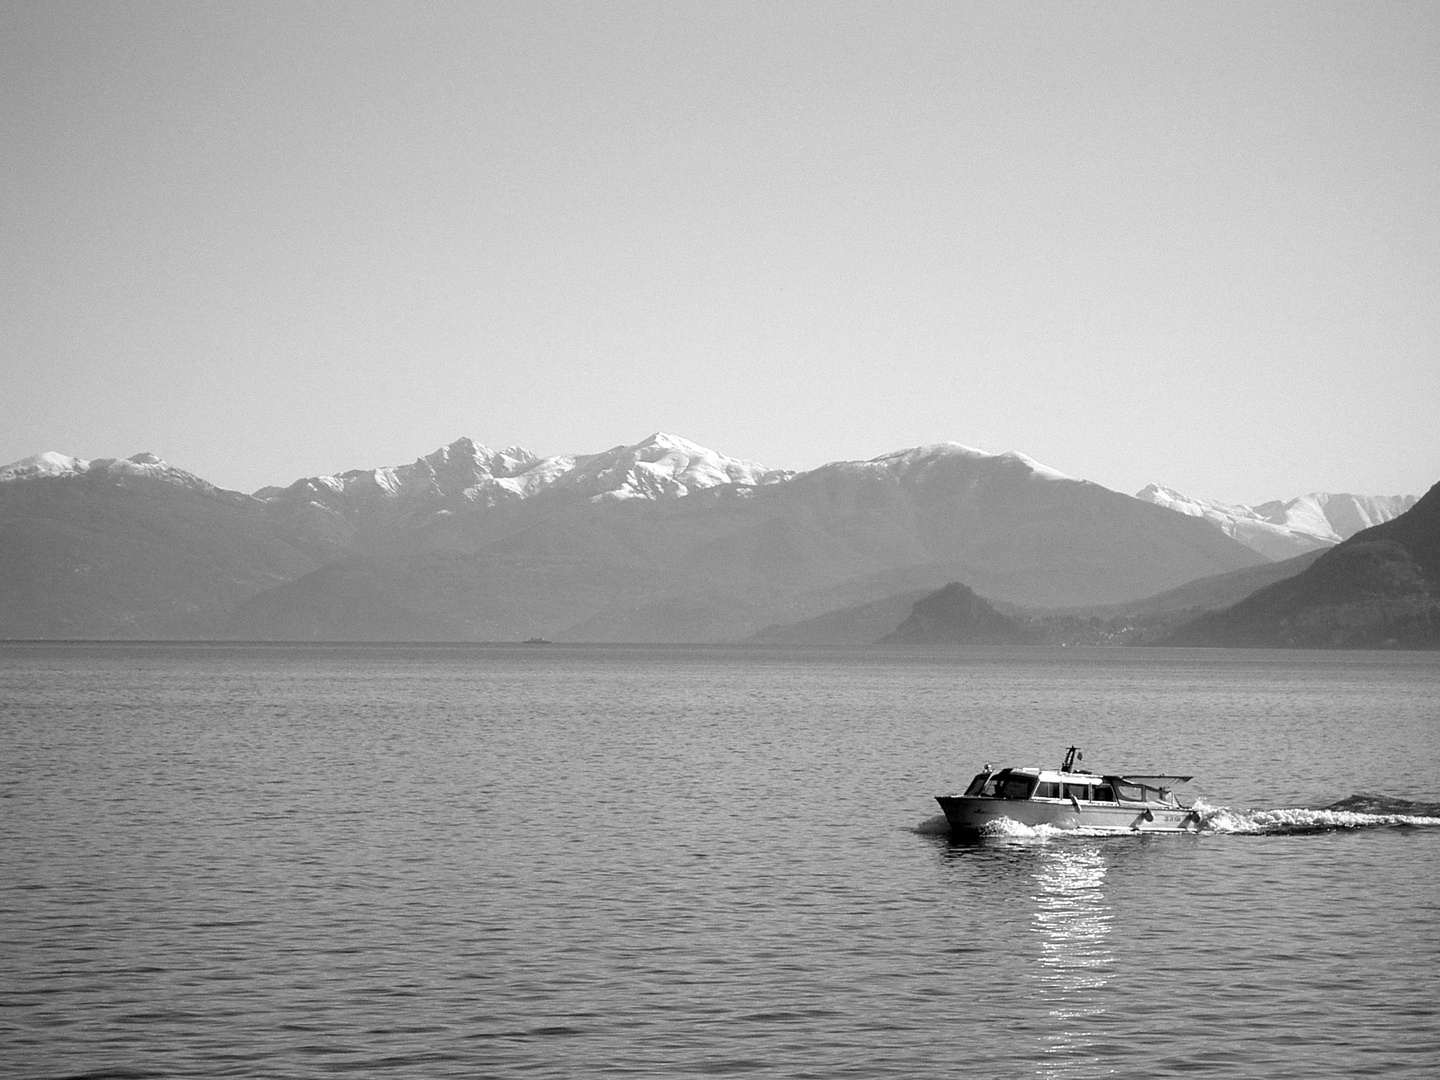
(551,861)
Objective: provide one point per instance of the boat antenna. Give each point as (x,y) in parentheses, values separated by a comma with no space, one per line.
(1072,755)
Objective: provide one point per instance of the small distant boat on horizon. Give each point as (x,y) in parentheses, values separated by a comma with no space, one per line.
(537,641)
(1069,798)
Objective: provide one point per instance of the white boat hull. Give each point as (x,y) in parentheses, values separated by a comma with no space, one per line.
(970,814)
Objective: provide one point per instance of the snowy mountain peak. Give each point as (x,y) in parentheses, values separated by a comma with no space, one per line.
(463,470)
(663,440)
(121,471)
(918,460)
(1282,528)
(662,466)
(147,466)
(47,464)
(1338,515)
(1159,494)
(930,452)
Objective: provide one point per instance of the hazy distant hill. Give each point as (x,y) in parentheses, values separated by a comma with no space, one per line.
(660,541)
(1379,588)
(956,616)
(1129,623)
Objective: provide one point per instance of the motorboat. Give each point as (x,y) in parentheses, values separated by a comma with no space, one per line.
(1069,798)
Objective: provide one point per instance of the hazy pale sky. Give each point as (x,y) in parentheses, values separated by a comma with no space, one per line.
(1196,244)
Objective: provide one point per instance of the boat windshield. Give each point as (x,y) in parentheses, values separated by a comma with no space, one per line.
(1001,786)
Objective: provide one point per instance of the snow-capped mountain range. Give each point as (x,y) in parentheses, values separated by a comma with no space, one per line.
(662,540)
(1280,529)
(666,466)
(662,466)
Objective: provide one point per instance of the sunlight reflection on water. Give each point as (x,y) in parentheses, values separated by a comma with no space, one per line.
(1072,919)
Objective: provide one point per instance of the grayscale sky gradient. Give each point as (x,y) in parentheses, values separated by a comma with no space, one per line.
(1190,243)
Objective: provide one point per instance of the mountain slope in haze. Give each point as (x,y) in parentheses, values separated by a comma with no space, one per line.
(660,541)
(1380,588)
(1214,593)
(1020,531)
(340,601)
(860,624)
(956,616)
(136,548)
(1282,529)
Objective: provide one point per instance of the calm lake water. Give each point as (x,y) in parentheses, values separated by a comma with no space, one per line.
(471,861)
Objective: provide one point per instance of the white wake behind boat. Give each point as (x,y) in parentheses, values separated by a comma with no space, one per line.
(1069,798)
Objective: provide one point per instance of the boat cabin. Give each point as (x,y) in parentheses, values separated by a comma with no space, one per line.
(1042,784)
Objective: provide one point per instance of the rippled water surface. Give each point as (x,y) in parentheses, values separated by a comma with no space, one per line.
(555,861)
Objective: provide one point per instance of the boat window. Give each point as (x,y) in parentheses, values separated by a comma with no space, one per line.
(1104,793)
(1077,791)
(1015,787)
(1132,792)
(977,784)
(1047,790)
